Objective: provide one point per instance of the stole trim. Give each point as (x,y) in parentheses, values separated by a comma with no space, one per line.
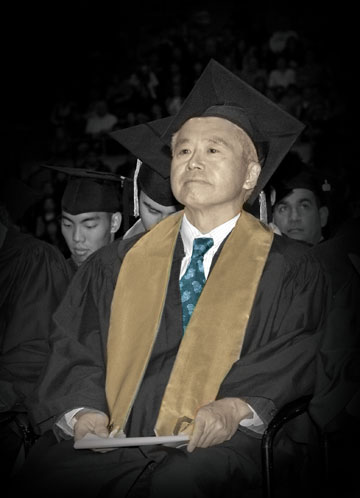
(136,311)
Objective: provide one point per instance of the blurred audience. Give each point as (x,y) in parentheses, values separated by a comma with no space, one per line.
(280,56)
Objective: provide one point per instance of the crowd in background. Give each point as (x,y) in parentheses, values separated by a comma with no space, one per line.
(129,83)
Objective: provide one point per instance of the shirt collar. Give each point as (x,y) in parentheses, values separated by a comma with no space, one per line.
(218,234)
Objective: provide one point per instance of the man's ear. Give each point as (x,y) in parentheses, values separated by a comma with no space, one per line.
(252,175)
(324,215)
(116,219)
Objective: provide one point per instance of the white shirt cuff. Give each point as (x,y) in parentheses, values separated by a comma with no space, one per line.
(255,421)
(67,421)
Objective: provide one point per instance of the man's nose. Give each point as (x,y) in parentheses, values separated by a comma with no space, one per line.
(196,161)
(294,214)
(78,235)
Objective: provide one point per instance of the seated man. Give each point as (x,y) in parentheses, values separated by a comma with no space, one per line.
(153,199)
(335,405)
(33,280)
(156,338)
(90,211)
(300,208)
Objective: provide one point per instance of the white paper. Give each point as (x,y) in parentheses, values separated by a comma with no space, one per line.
(91,441)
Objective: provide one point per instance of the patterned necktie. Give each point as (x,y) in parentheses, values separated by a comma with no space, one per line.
(192,282)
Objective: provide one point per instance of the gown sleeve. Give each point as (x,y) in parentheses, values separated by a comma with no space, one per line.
(33,278)
(277,363)
(75,372)
(335,404)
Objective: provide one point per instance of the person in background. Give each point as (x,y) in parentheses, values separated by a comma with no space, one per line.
(33,280)
(335,404)
(101,121)
(153,199)
(142,348)
(282,75)
(301,211)
(90,211)
(298,196)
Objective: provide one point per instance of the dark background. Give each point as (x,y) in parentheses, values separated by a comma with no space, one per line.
(55,46)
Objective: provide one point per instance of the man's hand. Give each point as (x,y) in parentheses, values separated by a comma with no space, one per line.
(217,422)
(93,422)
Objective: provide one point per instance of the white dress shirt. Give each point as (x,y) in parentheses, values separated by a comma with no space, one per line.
(189,233)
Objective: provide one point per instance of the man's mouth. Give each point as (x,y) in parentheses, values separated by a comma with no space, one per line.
(295,230)
(80,252)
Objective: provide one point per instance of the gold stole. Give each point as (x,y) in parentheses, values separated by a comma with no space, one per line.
(213,337)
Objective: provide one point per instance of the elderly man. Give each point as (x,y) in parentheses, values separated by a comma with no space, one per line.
(154,338)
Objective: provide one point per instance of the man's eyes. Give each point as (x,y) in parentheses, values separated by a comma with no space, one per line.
(86,225)
(183,152)
(153,211)
(283,208)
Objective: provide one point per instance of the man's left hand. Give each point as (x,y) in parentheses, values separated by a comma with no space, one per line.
(217,422)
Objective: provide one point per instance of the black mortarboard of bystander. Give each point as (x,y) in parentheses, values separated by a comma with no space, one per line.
(89,191)
(219,92)
(292,174)
(143,141)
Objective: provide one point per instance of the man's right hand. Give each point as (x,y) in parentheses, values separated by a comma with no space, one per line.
(93,422)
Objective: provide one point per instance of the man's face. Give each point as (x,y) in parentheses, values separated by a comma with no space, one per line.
(209,166)
(152,212)
(85,233)
(298,216)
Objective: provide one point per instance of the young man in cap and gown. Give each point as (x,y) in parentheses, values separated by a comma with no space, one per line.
(90,211)
(299,197)
(130,359)
(155,181)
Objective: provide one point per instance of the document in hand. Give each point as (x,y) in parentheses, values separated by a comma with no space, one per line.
(91,441)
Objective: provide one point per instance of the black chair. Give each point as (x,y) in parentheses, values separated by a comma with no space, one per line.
(17,437)
(284,415)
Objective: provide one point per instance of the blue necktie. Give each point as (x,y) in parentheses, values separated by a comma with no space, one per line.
(192,282)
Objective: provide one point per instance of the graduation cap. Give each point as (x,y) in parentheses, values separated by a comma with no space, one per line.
(220,93)
(89,191)
(292,174)
(152,173)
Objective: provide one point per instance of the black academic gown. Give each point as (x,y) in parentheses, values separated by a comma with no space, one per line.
(33,280)
(335,405)
(276,366)
(71,266)
(338,370)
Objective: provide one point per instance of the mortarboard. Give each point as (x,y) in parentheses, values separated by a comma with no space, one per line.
(293,173)
(89,191)
(219,92)
(152,175)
